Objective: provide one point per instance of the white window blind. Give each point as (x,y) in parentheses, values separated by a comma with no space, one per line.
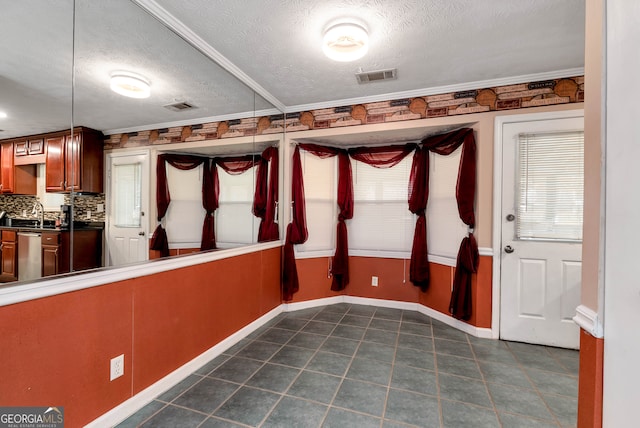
(127,179)
(185,214)
(235,223)
(382,220)
(550,186)
(320,188)
(445,230)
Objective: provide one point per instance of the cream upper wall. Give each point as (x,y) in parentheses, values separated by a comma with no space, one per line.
(483,125)
(592,255)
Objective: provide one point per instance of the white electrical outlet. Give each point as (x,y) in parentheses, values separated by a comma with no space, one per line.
(117,367)
(100,208)
(374,281)
(88,214)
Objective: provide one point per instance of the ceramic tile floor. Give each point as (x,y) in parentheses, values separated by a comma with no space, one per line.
(360,366)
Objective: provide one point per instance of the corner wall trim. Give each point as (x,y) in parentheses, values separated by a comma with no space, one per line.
(589,321)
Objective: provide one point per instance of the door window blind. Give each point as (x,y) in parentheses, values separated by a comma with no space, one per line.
(550,186)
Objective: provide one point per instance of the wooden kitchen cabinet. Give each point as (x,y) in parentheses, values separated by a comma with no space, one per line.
(27,147)
(56,250)
(9,256)
(75,162)
(17,179)
(50,253)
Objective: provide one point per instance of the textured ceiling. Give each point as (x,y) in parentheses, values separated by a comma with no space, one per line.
(273,46)
(433,43)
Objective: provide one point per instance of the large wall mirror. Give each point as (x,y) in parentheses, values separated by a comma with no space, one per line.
(57,73)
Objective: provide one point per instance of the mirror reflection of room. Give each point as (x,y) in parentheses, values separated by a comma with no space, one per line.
(75,141)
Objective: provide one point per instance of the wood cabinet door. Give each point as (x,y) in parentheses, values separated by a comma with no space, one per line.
(21,148)
(6,168)
(9,260)
(49,260)
(73,162)
(35,147)
(55,164)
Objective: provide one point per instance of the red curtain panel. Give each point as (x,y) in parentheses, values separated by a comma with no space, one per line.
(210,194)
(418,197)
(265,201)
(467,261)
(296,230)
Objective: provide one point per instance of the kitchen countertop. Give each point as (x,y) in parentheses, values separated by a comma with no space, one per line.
(49,226)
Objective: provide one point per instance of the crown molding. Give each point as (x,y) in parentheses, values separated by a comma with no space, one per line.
(195,121)
(189,36)
(437,90)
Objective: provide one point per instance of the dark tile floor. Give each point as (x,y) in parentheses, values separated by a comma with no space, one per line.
(362,366)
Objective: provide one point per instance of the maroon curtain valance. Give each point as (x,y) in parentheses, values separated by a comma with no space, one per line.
(386,157)
(265,197)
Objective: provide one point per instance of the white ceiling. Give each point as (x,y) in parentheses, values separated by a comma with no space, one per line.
(270,46)
(433,43)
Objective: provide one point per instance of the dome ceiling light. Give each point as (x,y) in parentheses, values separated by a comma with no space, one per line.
(130,84)
(345,41)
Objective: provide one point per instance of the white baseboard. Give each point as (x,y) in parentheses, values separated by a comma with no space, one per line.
(141,399)
(589,321)
(481,332)
(289,307)
(394,304)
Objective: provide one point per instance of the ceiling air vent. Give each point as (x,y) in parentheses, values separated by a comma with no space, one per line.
(180,106)
(375,76)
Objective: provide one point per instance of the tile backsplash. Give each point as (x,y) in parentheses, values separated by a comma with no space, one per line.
(15,205)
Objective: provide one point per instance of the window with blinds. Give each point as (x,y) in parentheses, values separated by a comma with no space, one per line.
(185,214)
(550,186)
(235,223)
(382,223)
(382,220)
(320,188)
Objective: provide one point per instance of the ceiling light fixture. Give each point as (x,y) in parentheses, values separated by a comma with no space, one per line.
(3,115)
(130,84)
(346,41)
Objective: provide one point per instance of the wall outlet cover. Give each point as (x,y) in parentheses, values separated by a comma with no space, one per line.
(117,367)
(374,281)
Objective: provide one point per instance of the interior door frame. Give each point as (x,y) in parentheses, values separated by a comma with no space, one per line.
(108,156)
(500,121)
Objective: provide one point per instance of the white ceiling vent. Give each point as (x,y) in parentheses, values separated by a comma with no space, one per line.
(180,106)
(375,76)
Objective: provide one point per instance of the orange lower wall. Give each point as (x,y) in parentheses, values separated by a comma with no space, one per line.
(394,284)
(590,381)
(55,351)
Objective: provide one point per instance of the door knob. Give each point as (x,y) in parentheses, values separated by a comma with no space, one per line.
(508,249)
(141,233)
(510,217)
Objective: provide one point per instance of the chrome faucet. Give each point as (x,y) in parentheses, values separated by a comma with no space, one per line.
(34,212)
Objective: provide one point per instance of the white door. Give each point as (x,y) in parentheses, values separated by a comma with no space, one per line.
(541,236)
(128,200)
